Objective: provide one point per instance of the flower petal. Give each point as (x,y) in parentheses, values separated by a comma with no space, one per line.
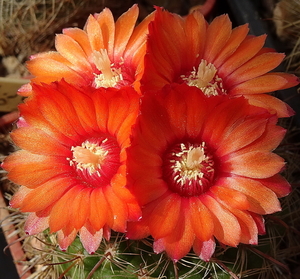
(226,226)
(255,164)
(165,216)
(201,220)
(204,249)
(261,199)
(90,241)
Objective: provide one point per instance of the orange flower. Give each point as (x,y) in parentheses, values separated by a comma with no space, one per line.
(202,168)
(104,54)
(214,58)
(72,162)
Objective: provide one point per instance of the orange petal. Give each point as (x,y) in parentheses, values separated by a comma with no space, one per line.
(81,206)
(249,231)
(195,29)
(54,109)
(46,194)
(36,141)
(244,133)
(124,28)
(247,49)
(118,208)
(98,210)
(255,164)
(263,84)
(180,242)
(218,33)
(83,106)
(119,108)
(231,197)
(165,216)
(106,22)
(237,36)
(271,103)
(94,33)
(278,184)
(226,226)
(81,37)
(60,215)
(261,199)
(201,220)
(35,118)
(255,67)
(73,52)
(138,38)
(53,71)
(32,170)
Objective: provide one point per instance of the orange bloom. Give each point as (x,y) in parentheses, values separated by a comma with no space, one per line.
(202,168)
(72,162)
(104,54)
(215,58)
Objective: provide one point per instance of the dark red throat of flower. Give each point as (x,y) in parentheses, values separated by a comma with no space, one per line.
(96,160)
(188,169)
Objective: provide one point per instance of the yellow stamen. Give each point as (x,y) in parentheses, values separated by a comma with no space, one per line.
(88,156)
(109,76)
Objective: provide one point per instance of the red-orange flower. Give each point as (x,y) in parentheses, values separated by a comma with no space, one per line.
(72,162)
(215,58)
(104,54)
(202,168)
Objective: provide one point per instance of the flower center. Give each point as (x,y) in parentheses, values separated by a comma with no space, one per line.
(96,160)
(89,156)
(110,76)
(206,79)
(189,169)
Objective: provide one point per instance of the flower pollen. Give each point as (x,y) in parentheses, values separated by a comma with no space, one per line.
(109,76)
(89,156)
(189,169)
(206,79)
